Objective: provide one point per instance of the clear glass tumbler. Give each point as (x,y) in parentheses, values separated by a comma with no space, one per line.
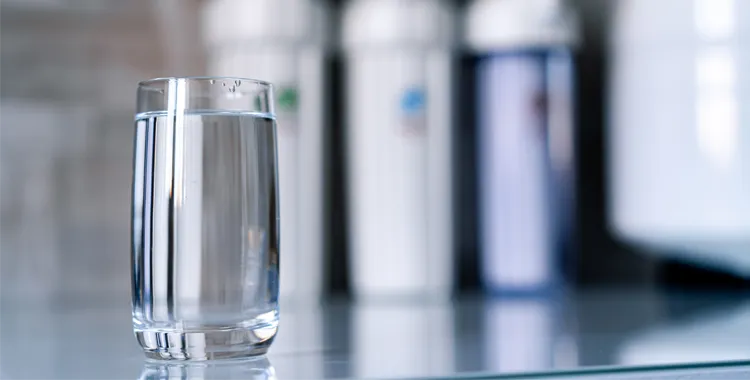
(205,222)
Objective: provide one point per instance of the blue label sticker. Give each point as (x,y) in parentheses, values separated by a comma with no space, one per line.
(413,101)
(413,119)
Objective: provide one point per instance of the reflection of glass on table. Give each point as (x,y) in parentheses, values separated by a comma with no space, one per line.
(258,368)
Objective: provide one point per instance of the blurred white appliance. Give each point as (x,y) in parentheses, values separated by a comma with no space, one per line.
(525,140)
(679,138)
(284,42)
(399,73)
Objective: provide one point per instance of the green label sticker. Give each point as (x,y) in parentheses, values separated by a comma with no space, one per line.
(287,99)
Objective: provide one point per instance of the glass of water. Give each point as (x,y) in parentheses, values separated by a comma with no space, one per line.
(205,219)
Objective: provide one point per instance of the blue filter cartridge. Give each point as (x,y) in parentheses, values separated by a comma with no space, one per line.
(525,142)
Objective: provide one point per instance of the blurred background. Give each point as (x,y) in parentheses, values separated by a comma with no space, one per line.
(657,141)
(448,149)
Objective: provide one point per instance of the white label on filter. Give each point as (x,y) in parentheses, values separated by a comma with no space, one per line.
(516,236)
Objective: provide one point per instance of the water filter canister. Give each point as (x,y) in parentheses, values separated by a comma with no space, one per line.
(284,44)
(399,70)
(525,140)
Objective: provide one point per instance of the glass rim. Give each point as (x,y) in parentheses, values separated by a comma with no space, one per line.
(204,93)
(145,84)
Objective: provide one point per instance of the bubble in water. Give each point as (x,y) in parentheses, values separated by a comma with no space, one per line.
(231,89)
(224,84)
(237,83)
(212,81)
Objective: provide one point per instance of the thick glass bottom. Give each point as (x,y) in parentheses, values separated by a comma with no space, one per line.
(224,343)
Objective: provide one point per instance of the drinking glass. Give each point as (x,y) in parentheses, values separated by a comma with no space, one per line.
(205,219)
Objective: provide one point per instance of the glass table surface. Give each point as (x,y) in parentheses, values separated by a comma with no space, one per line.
(602,334)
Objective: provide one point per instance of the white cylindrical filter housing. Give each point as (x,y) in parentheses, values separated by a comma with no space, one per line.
(525,140)
(399,72)
(284,42)
(679,139)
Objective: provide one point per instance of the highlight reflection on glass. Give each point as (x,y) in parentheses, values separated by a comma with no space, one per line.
(258,368)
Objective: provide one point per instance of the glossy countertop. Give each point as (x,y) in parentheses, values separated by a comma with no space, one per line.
(603,330)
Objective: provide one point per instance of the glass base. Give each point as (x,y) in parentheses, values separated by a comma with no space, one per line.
(227,343)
